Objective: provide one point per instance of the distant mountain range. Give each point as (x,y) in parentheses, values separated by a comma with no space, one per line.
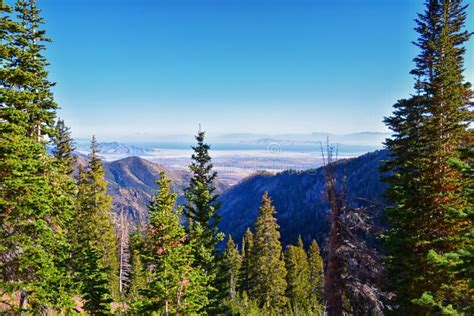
(357,142)
(115,148)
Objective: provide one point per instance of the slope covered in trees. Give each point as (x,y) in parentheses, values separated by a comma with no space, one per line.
(300,198)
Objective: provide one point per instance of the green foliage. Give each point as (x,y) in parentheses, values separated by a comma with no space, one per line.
(33,205)
(229,272)
(137,273)
(268,269)
(429,207)
(316,278)
(173,283)
(95,282)
(297,278)
(93,227)
(64,148)
(245,275)
(202,213)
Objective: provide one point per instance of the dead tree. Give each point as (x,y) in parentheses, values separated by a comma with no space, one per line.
(124,252)
(333,283)
(362,257)
(354,269)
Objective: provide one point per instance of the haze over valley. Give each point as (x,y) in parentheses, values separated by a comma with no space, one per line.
(236,156)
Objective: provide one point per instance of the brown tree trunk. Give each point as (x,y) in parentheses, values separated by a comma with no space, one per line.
(333,284)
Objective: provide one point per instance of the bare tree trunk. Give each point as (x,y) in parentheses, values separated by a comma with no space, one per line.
(124,252)
(121,254)
(333,283)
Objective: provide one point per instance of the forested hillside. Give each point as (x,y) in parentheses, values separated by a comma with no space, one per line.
(300,197)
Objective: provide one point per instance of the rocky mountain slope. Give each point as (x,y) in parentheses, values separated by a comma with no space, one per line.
(132,184)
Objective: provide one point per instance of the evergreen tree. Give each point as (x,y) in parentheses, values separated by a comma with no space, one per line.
(95,282)
(63,149)
(230,263)
(269,271)
(174,285)
(201,211)
(316,279)
(137,273)
(429,214)
(298,278)
(94,237)
(245,279)
(64,192)
(31,227)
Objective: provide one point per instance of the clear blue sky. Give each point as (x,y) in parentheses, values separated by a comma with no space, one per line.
(258,66)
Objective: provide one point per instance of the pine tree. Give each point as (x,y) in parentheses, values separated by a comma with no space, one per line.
(137,273)
(316,279)
(297,278)
(231,263)
(430,213)
(64,192)
(174,285)
(63,150)
(246,278)
(269,271)
(30,65)
(31,227)
(94,236)
(95,282)
(202,212)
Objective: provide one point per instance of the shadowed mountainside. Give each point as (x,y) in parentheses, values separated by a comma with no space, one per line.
(299,197)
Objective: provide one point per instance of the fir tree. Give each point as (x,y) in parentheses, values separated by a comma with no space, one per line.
(269,271)
(94,236)
(63,149)
(246,278)
(137,273)
(174,286)
(201,211)
(31,227)
(316,278)
(230,263)
(298,278)
(95,282)
(430,213)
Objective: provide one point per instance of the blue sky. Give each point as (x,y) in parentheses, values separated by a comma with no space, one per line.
(128,67)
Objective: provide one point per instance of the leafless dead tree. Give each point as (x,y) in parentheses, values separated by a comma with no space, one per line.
(124,252)
(354,269)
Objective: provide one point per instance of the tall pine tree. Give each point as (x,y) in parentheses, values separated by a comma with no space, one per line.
(230,268)
(245,276)
(94,237)
(202,213)
(316,279)
(268,270)
(174,286)
(298,278)
(31,226)
(430,213)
